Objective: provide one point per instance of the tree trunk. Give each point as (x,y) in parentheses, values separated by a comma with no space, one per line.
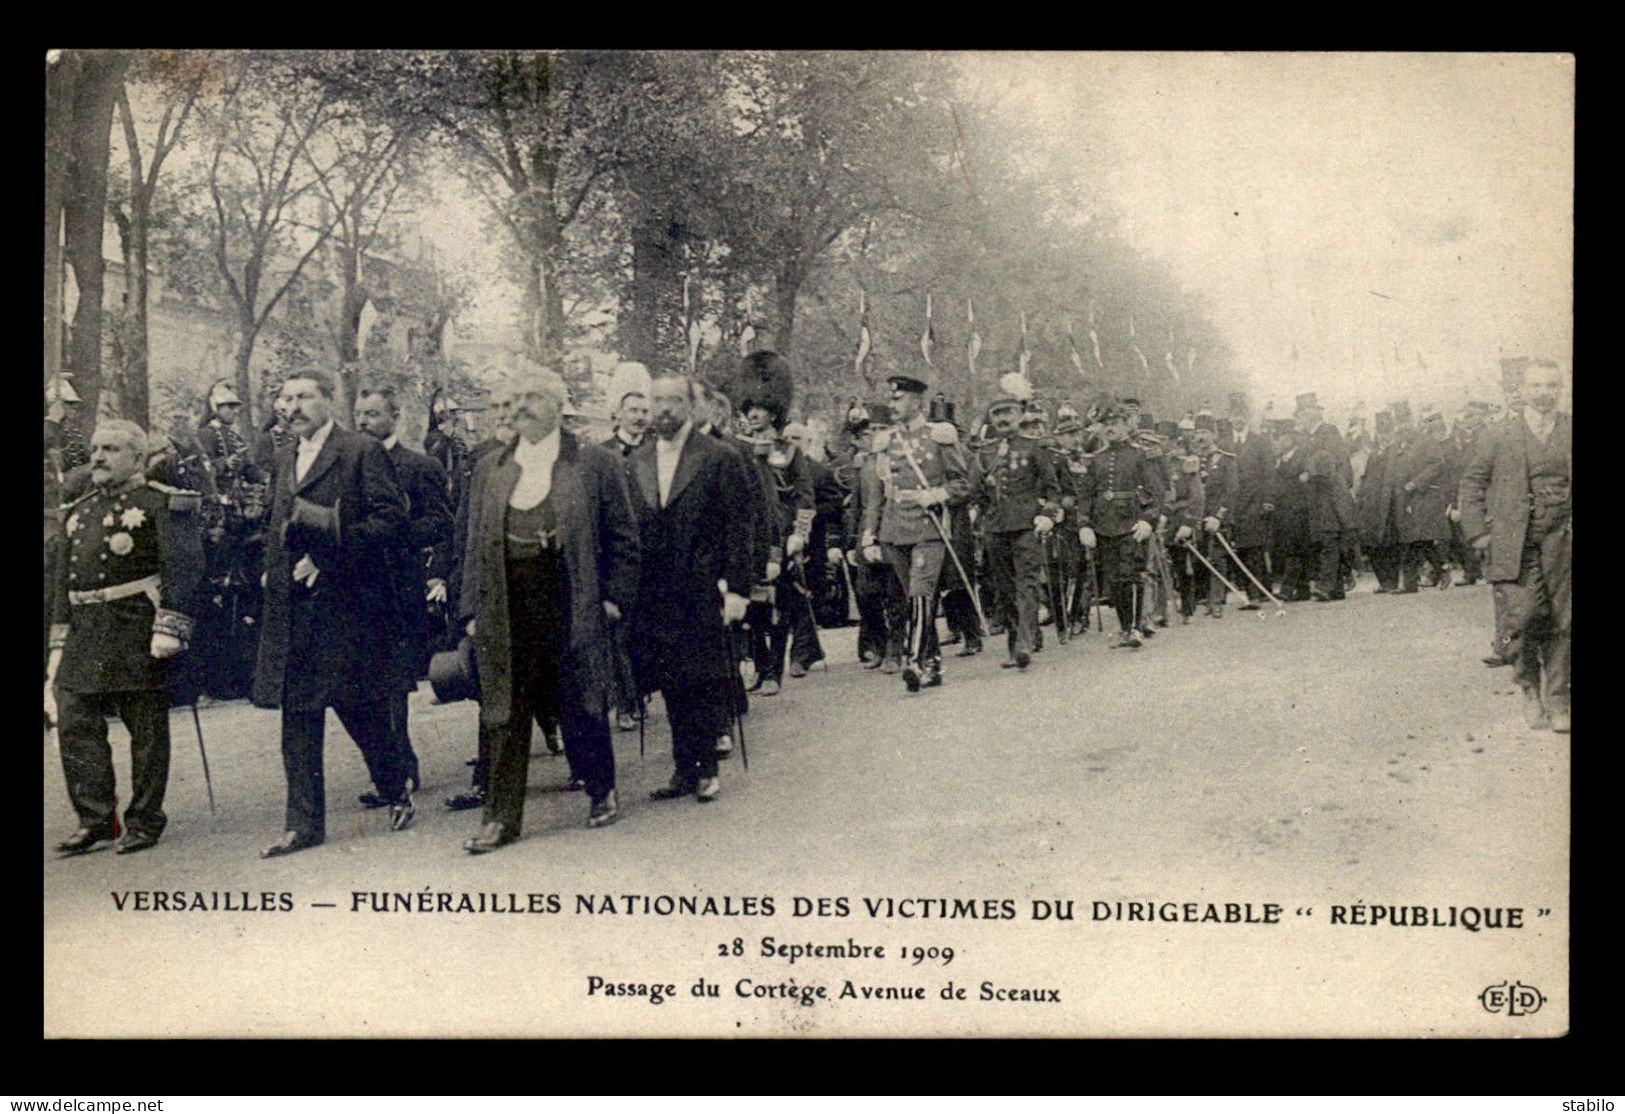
(60,78)
(782,305)
(655,282)
(135,390)
(240,374)
(84,214)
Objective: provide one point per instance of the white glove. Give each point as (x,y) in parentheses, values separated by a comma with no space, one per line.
(1142,530)
(794,544)
(1453,514)
(305,571)
(733,607)
(1162,520)
(611,612)
(1303,477)
(1211,524)
(437,591)
(1182,533)
(872,554)
(50,701)
(1043,524)
(470,628)
(1087,537)
(833,555)
(773,570)
(165,645)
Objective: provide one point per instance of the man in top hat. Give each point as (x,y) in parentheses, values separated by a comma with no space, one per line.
(418,561)
(919,472)
(1330,481)
(1516,506)
(125,592)
(1017,495)
(1119,504)
(1291,552)
(1248,528)
(326,636)
(1421,487)
(1374,505)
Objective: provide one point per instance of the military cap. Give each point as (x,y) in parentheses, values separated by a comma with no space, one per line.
(857,418)
(941,410)
(1110,412)
(1238,402)
(1001,404)
(1128,403)
(1186,424)
(910,383)
(1204,420)
(1069,425)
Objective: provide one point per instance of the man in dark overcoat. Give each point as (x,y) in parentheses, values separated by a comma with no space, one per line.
(1248,528)
(331,612)
(550,567)
(693,497)
(419,563)
(1330,480)
(1421,486)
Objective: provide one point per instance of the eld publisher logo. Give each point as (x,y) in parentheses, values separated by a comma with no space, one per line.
(1513,999)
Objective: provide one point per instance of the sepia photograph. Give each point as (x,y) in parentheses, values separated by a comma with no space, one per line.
(558,543)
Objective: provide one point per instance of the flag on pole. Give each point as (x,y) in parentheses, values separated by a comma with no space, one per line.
(1190,360)
(691,328)
(1168,358)
(927,338)
(1024,357)
(1094,340)
(973,346)
(863,331)
(747,337)
(1072,352)
(1131,326)
(1145,364)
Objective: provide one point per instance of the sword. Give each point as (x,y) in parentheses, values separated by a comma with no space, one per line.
(942,531)
(1280,608)
(799,565)
(207,781)
(1211,569)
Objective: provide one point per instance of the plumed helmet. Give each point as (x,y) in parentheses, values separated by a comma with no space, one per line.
(764,379)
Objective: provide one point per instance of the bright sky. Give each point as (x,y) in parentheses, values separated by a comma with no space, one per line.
(1344,204)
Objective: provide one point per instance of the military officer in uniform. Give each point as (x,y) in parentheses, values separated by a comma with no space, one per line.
(1017,496)
(1219,488)
(123,607)
(1121,500)
(919,471)
(1183,515)
(1071,465)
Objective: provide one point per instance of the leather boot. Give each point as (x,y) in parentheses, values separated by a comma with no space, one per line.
(1534,711)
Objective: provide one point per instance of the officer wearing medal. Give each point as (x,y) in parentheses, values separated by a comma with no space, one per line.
(123,607)
(1121,497)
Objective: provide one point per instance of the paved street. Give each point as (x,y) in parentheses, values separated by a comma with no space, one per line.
(1350,752)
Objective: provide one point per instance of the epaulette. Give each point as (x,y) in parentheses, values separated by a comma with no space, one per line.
(944,433)
(180,498)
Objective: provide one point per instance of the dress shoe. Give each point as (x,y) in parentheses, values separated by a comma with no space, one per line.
(1379,590)
(1162,621)
(605,811)
(1128,640)
(1148,631)
(1444,582)
(931,676)
(1533,710)
(1403,591)
(401,813)
(462,802)
(770,687)
(953,639)
(288,844)
(575,785)
(1184,620)
(890,666)
(797,669)
(972,647)
(725,746)
(911,677)
(372,800)
(872,663)
(1023,659)
(1494,660)
(554,745)
(626,721)
(491,836)
(85,839)
(132,841)
(707,789)
(756,685)
(677,787)
(1250,605)
(1008,663)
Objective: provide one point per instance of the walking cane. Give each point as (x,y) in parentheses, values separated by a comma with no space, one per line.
(208,782)
(798,564)
(1213,570)
(1095,588)
(1280,608)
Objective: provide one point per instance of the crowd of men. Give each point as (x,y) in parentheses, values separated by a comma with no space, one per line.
(562,580)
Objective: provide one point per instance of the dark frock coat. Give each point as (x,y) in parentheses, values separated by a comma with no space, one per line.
(701,536)
(1494,491)
(598,542)
(334,642)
